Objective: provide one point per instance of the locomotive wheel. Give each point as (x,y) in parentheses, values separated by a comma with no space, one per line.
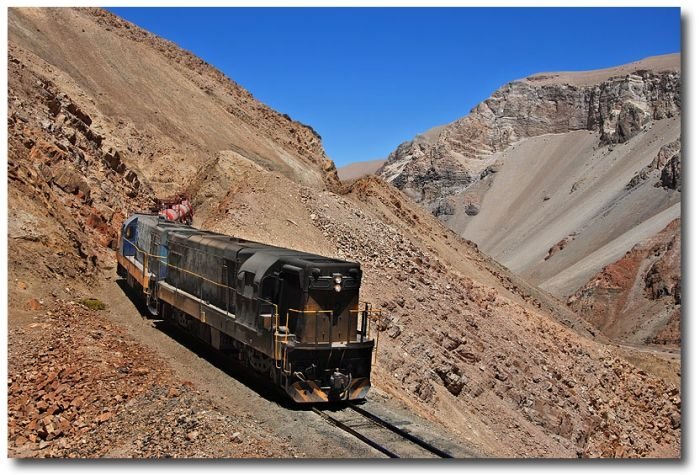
(152,306)
(259,362)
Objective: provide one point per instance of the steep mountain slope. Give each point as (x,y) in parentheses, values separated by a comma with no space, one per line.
(93,97)
(461,340)
(504,366)
(68,191)
(559,209)
(173,110)
(558,174)
(102,118)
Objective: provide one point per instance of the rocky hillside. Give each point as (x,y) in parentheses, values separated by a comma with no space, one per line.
(68,189)
(558,174)
(173,110)
(104,117)
(462,341)
(637,299)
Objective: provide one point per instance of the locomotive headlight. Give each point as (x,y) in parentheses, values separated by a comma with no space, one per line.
(338,279)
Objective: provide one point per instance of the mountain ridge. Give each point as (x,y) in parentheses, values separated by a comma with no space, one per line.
(558,174)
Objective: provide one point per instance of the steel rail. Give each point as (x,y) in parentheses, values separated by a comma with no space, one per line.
(418,441)
(353,432)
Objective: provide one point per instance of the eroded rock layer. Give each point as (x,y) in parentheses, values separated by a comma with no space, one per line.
(556,175)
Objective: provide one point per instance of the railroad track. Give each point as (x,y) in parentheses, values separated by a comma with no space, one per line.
(380,434)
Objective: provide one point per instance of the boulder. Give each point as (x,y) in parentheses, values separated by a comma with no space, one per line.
(671,174)
(67,178)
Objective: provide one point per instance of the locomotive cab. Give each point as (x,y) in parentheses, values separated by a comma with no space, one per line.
(331,351)
(310,306)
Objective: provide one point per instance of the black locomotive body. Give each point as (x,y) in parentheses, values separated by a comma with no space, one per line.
(291,315)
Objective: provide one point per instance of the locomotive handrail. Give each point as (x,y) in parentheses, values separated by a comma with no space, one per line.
(275,328)
(309,311)
(302,312)
(370,311)
(163,260)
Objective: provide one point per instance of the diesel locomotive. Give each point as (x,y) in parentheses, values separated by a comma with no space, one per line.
(291,316)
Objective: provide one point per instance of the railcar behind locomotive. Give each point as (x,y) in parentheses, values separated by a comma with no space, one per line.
(292,316)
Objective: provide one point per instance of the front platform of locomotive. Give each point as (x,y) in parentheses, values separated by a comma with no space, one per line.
(330,356)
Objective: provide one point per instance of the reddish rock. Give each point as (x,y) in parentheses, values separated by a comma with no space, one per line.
(104,417)
(637,298)
(34,304)
(20,441)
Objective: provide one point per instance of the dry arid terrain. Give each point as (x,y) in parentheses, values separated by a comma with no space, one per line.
(104,118)
(637,299)
(560,174)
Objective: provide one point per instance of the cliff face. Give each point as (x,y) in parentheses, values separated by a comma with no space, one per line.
(557,175)
(449,160)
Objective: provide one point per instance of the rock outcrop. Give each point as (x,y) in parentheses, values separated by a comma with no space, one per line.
(559,175)
(665,168)
(69,190)
(637,299)
(450,159)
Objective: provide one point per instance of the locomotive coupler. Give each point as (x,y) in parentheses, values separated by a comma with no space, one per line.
(339,382)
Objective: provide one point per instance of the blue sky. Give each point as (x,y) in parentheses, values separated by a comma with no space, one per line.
(368,79)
